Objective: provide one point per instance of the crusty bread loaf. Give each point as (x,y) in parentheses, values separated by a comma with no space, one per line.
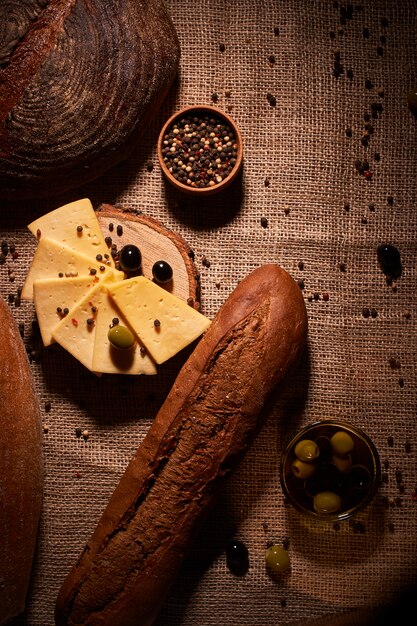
(79,81)
(20,469)
(207,422)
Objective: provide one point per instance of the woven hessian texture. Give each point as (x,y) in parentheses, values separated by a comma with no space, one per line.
(324,223)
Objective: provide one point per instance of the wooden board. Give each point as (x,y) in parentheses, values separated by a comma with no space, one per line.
(156,243)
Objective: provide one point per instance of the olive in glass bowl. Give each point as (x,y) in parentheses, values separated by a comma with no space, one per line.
(330,470)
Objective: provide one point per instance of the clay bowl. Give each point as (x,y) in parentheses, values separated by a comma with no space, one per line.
(200,112)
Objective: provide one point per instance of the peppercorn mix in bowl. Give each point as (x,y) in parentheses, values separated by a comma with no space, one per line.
(200,150)
(330,470)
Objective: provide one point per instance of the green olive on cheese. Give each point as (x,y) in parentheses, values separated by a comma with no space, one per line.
(121,337)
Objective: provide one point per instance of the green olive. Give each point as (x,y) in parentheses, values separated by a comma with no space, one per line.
(301,469)
(343,463)
(341,442)
(306,450)
(277,559)
(327,502)
(121,337)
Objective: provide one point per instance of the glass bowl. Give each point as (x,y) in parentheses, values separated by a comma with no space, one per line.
(330,470)
(188,139)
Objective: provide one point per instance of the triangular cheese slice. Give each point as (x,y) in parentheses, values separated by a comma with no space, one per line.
(76,331)
(110,360)
(54,260)
(53,296)
(164,323)
(75,225)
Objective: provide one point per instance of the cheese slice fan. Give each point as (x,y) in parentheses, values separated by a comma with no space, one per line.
(164,323)
(75,225)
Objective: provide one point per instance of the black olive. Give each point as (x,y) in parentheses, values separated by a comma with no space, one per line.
(130,258)
(162,272)
(389,259)
(325,447)
(412,100)
(359,477)
(237,556)
(326,478)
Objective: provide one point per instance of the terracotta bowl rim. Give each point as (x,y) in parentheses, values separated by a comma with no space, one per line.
(237,167)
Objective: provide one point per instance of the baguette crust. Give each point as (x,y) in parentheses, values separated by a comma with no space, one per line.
(209,419)
(20,469)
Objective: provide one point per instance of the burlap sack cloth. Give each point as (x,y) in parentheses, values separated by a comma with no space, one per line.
(324,223)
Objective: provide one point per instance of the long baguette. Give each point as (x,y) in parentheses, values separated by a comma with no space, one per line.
(207,422)
(21,474)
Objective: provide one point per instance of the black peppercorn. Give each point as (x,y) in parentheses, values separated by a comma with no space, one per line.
(271,99)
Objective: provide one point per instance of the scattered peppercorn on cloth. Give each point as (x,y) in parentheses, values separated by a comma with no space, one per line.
(319,91)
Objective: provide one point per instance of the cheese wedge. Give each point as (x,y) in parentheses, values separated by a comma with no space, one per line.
(110,360)
(164,323)
(52,296)
(75,225)
(54,260)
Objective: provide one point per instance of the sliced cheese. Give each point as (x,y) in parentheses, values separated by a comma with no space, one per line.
(75,225)
(76,331)
(164,323)
(110,360)
(54,260)
(53,296)
(83,333)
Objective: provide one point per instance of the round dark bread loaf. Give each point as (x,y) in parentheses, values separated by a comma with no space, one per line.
(210,417)
(21,469)
(79,79)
